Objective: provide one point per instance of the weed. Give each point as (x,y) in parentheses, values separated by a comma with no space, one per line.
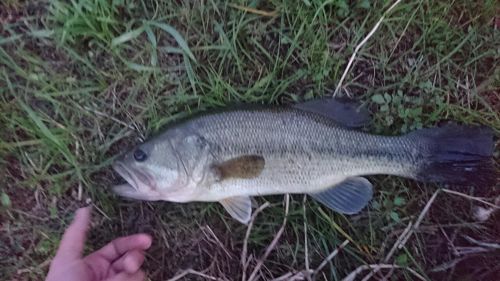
(84,80)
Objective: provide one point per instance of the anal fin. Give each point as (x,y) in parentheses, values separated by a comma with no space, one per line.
(347,197)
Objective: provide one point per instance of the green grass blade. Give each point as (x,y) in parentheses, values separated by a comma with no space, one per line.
(152,39)
(127,36)
(177,36)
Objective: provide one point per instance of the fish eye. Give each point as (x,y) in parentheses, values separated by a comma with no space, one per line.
(140,155)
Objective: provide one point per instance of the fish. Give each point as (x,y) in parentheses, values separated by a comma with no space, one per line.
(315,148)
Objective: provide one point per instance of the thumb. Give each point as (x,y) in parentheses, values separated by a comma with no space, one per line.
(74,237)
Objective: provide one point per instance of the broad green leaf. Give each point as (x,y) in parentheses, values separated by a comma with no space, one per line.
(364,4)
(399,201)
(402,260)
(395,216)
(387,97)
(5,200)
(378,99)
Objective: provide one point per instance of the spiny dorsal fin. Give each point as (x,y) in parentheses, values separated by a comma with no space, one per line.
(346,113)
(243,167)
(239,207)
(347,197)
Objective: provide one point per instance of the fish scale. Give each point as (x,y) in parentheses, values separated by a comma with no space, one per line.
(300,150)
(310,148)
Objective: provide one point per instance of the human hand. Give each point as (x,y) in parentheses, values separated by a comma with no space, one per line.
(119,260)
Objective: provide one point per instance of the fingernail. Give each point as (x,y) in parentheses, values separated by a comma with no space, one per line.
(148,239)
(83,211)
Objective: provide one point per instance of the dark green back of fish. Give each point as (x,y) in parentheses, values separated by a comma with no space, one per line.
(307,140)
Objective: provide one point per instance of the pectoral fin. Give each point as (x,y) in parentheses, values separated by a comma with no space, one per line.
(243,167)
(347,197)
(239,207)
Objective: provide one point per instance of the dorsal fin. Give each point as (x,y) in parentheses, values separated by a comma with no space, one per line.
(346,113)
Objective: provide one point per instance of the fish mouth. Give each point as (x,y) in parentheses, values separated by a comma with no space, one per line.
(137,182)
(127,175)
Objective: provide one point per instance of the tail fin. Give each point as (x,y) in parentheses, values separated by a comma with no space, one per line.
(461,155)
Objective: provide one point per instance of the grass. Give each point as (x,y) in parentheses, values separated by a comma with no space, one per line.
(84,80)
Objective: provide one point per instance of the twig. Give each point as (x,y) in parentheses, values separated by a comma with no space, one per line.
(450,243)
(420,218)
(94,206)
(411,228)
(215,239)
(447,265)
(398,242)
(77,154)
(482,244)
(80,191)
(254,11)
(301,275)
(377,267)
(330,257)
(191,271)
(245,242)
(102,114)
(471,198)
(407,233)
(358,47)
(271,246)
(389,274)
(30,215)
(306,247)
(464,251)
(43,265)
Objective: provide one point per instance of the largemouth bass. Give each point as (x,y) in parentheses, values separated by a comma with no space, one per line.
(309,148)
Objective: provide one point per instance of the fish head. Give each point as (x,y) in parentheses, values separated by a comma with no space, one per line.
(168,167)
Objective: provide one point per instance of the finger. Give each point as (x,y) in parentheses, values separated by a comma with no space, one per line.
(130,262)
(123,276)
(120,246)
(101,260)
(73,240)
